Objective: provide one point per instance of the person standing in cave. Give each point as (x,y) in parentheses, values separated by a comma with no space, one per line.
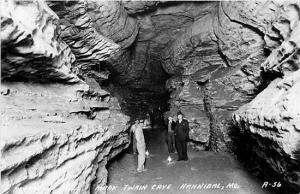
(170,135)
(134,148)
(137,130)
(181,137)
(151,116)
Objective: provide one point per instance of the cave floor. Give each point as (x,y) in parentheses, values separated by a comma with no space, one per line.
(202,169)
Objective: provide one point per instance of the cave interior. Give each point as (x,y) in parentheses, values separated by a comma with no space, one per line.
(74,68)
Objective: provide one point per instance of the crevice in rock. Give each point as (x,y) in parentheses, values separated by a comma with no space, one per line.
(215,137)
(222,55)
(266,78)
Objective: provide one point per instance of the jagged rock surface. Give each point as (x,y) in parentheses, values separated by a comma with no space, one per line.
(30,44)
(271,122)
(157,31)
(133,7)
(112,21)
(216,65)
(58,138)
(79,31)
(57,132)
(215,68)
(219,56)
(272,128)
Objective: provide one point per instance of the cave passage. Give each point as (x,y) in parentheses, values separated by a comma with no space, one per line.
(76,75)
(204,172)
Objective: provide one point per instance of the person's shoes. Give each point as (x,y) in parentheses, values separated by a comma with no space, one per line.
(185,159)
(179,159)
(141,170)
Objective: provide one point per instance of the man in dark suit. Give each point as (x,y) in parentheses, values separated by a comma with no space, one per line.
(181,136)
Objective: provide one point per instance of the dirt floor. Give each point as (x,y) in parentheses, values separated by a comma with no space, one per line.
(205,172)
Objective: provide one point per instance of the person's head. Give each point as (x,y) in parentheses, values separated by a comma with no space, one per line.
(136,121)
(141,122)
(170,119)
(179,115)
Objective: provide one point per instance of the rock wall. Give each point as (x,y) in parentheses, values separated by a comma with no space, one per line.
(58,132)
(216,65)
(58,138)
(271,121)
(30,47)
(212,58)
(79,31)
(227,58)
(215,68)
(112,21)
(271,130)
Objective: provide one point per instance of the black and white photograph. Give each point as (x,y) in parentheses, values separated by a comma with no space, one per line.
(150,97)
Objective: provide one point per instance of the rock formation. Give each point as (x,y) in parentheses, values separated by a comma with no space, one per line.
(215,68)
(57,132)
(112,21)
(216,65)
(86,42)
(30,47)
(58,138)
(218,62)
(271,121)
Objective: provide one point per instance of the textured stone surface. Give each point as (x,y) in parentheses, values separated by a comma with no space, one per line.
(216,68)
(216,63)
(212,57)
(57,132)
(133,7)
(157,30)
(285,58)
(57,138)
(271,121)
(273,126)
(112,21)
(79,31)
(30,46)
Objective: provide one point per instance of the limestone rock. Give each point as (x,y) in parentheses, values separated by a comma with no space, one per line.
(30,44)
(79,31)
(285,58)
(225,77)
(214,57)
(133,7)
(271,121)
(220,56)
(57,138)
(112,21)
(142,66)
(158,30)
(273,125)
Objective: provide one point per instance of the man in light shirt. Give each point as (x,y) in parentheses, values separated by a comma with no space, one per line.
(137,130)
